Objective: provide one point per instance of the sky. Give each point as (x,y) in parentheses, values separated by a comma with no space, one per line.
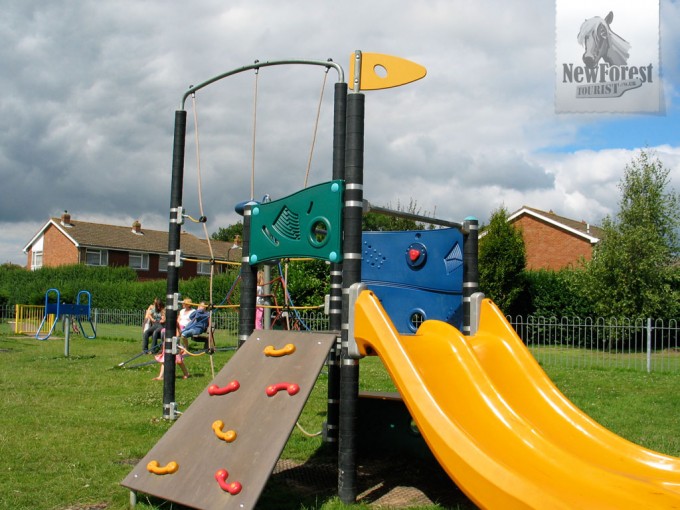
(90,90)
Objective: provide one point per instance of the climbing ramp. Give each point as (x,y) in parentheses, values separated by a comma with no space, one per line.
(222,450)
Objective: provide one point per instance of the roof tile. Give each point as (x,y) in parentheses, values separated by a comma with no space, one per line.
(113,237)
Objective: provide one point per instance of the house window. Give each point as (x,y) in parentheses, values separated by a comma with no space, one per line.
(36,260)
(96,257)
(139,261)
(163,263)
(203,268)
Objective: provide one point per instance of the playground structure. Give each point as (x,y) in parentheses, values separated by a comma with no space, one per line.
(283,312)
(489,414)
(29,319)
(81,310)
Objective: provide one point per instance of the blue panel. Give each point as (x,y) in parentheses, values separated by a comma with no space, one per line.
(415,272)
(407,307)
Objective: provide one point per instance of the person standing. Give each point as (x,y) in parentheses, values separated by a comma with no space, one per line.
(260,301)
(183,315)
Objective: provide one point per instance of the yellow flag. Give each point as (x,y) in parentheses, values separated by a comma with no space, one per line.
(380,71)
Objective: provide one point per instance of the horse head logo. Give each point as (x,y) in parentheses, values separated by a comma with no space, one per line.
(601,43)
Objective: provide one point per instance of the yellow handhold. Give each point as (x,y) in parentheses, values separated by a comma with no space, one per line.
(287,349)
(155,468)
(228,436)
(380,71)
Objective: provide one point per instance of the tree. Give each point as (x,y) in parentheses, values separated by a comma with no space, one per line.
(377,222)
(308,282)
(229,233)
(502,259)
(632,271)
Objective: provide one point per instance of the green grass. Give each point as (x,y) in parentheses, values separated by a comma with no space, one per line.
(644,408)
(72,428)
(664,360)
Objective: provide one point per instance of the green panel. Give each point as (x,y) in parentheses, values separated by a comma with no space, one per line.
(305,224)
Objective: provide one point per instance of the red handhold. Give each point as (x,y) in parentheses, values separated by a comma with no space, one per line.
(413,254)
(214,389)
(273,389)
(232,488)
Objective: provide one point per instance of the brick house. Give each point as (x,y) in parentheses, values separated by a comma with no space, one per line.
(552,241)
(64,241)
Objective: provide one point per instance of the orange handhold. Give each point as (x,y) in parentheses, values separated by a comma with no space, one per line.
(155,468)
(287,349)
(228,436)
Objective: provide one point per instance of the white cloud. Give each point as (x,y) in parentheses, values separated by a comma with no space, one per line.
(90,90)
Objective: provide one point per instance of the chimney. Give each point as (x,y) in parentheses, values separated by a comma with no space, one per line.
(66,219)
(136,227)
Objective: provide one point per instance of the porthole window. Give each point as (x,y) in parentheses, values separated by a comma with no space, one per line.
(416,318)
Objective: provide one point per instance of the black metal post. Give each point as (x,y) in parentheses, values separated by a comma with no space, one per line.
(349,370)
(174,262)
(335,304)
(246,322)
(470,267)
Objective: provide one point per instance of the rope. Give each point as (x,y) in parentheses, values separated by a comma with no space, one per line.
(308,434)
(229,292)
(187,352)
(199,220)
(209,261)
(205,230)
(200,181)
(289,307)
(316,126)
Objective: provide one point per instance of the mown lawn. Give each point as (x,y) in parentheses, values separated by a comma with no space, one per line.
(72,428)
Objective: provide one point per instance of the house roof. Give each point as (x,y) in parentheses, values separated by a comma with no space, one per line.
(112,237)
(580,228)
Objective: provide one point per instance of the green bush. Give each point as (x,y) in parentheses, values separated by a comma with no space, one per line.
(109,287)
(557,293)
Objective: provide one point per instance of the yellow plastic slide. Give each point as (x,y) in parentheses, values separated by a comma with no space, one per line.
(501,429)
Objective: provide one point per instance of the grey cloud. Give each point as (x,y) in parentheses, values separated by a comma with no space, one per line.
(90,90)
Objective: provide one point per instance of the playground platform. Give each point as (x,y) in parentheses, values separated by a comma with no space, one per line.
(260,422)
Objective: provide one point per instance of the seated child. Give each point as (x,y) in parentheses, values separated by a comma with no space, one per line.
(198,323)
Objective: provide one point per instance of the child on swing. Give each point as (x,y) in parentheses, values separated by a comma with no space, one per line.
(182,321)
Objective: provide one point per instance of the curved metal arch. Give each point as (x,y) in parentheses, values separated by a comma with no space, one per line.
(257,65)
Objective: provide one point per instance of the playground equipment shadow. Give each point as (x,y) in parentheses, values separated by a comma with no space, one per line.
(385,480)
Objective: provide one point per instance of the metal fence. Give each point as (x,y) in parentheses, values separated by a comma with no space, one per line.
(641,344)
(651,345)
(223,319)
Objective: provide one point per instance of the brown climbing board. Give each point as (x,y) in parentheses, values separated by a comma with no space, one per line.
(262,424)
